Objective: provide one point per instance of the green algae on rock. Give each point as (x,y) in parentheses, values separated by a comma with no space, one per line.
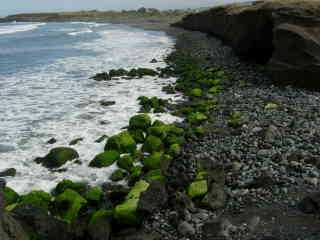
(140,121)
(68,205)
(79,187)
(122,142)
(58,157)
(126,212)
(105,159)
(152,144)
(38,199)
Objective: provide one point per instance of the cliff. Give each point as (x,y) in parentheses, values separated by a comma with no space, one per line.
(285,35)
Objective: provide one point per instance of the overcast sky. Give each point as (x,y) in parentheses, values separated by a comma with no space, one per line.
(20,6)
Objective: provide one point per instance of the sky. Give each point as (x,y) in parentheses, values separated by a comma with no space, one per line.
(26,6)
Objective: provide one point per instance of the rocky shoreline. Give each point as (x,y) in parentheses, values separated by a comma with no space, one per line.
(244,165)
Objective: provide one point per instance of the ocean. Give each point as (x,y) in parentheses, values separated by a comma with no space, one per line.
(46,92)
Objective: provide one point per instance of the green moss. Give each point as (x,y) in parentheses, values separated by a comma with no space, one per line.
(68,205)
(138,135)
(154,175)
(199,131)
(196,92)
(153,161)
(235,120)
(271,106)
(174,149)
(140,121)
(125,162)
(196,118)
(94,194)
(158,131)
(197,189)
(10,196)
(79,187)
(38,199)
(58,157)
(126,213)
(122,142)
(158,123)
(152,144)
(100,214)
(215,90)
(136,172)
(118,175)
(105,159)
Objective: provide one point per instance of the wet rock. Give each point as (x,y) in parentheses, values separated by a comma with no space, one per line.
(10,172)
(101,139)
(51,141)
(101,76)
(310,204)
(57,157)
(154,60)
(10,229)
(75,141)
(153,198)
(133,234)
(263,181)
(99,227)
(186,229)
(44,225)
(107,103)
(271,133)
(216,229)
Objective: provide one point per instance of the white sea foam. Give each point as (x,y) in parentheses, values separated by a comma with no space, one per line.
(80,32)
(15,28)
(58,100)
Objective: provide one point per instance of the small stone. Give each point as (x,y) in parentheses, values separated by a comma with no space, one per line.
(186,229)
(10,172)
(51,141)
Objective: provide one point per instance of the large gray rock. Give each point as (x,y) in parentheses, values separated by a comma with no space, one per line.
(284,34)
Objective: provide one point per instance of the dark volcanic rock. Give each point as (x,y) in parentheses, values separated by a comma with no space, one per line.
(44,225)
(10,172)
(154,198)
(285,34)
(310,204)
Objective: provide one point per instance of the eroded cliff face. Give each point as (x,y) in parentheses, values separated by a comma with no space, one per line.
(285,35)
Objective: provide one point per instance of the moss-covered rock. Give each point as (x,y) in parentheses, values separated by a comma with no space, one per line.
(94,195)
(174,149)
(38,199)
(158,131)
(158,123)
(58,157)
(68,205)
(196,92)
(75,141)
(105,159)
(126,213)
(135,174)
(125,162)
(235,119)
(79,187)
(100,214)
(122,142)
(140,121)
(215,90)
(196,118)
(118,175)
(198,189)
(153,161)
(152,144)
(138,135)
(10,196)
(154,175)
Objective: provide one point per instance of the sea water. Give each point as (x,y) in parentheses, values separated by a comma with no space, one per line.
(46,92)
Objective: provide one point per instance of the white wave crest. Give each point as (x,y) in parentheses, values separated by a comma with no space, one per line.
(13,28)
(80,32)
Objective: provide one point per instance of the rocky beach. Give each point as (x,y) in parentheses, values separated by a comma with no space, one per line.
(243,164)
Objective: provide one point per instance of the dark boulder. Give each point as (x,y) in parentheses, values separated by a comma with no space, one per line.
(153,198)
(310,204)
(285,35)
(10,172)
(38,221)
(57,157)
